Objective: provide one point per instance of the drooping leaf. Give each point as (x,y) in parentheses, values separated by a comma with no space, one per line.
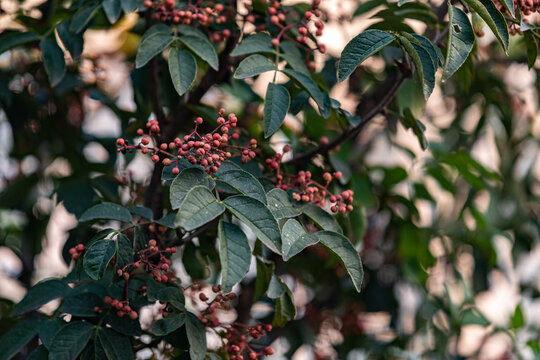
(53,60)
(234,254)
(253,65)
(185,181)
(98,256)
(347,254)
(532,48)
(199,207)
(425,71)
(323,219)
(293,56)
(202,48)
(241,181)
(13,39)
(460,41)
(260,220)
(169,324)
(142,211)
(40,294)
(262,281)
(307,83)
(39,353)
(360,48)
(276,105)
(151,46)
(106,210)
(258,43)
(285,310)
(196,336)
(493,18)
(112,9)
(280,204)
(83,17)
(68,343)
(124,251)
(72,41)
(115,345)
(183,69)
(18,336)
(295,239)
(276,288)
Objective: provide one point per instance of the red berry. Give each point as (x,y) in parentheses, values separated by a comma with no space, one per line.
(175,171)
(120,142)
(275,42)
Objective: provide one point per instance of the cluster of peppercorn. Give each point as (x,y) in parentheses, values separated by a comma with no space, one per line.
(207,150)
(237,335)
(122,307)
(523,7)
(170,11)
(76,251)
(153,261)
(307,190)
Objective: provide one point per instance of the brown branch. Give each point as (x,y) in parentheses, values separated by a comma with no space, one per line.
(352,131)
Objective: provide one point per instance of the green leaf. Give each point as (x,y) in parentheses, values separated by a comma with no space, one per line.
(409,122)
(280,204)
(53,60)
(72,41)
(142,211)
(241,181)
(258,43)
(460,41)
(185,181)
(517,320)
(172,295)
(40,294)
(285,310)
(116,346)
(112,9)
(202,48)
(532,48)
(276,288)
(18,336)
(360,48)
(151,46)
(320,217)
(293,56)
(49,329)
(276,105)
(422,62)
(347,254)
(81,305)
(124,251)
(183,69)
(140,239)
(262,281)
(40,353)
(16,38)
(68,343)
(260,220)
(198,208)
(472,316)
(493,18)
(295,239)
(82,17)
(169,324)
(93,351)
(190,30)
(107,210)
(196,334)
(97,257)
(253,65)
(234,254)
(307,83)
(124,325)
(129,5)
(430,48)
(509,5)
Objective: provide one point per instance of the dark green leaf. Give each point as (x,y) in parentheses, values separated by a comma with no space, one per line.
(129,5)
(532,47)
(40,353)
(360,48)
(234,254)
(151,46)
(40,294)
(253,65)
(112,9)
(124,325)
(68,343)
(276,288)
(185,181)
(172,295)
(276,105)
(16,38)
(124,251)
(262,281)
(307,83)
(18,336)
(323,219)
(49,329)
(198,208)
(140,239)
(422,62)
(183,69)
(493,18)
(169,324)
(106,210)
(258,43)
(517,320)
(53,60)
(196,336)
(295,239)
(347,254)
(98,256)
(116,346)
(285,310)
(72,41)
(280,204)
(82,18)
(81,304)
(472,316)
(293,56)
(460,41)
(202,48)
(256,215)
(241,181)
(142,211)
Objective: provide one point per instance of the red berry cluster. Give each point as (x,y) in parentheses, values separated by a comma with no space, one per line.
(76,251)
(153,261)
(207,150)
(237,335)
(308,190)
(524,7)
(122,307)
(170,11)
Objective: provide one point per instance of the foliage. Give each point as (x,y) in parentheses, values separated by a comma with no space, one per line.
(240,211)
